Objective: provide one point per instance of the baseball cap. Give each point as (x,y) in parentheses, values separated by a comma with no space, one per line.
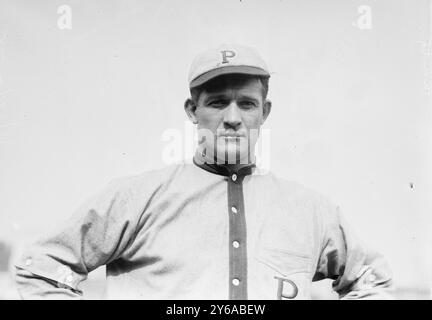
(226,59)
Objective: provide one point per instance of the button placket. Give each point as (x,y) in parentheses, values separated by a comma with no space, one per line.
(237,239)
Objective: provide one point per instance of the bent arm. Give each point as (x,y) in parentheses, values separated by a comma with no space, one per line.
(98,232)
(359,272)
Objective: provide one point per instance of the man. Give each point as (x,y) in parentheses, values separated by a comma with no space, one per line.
(218,228)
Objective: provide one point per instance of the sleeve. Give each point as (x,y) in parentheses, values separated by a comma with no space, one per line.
(358,271)
(95,235)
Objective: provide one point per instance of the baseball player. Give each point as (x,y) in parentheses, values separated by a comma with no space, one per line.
(216,228)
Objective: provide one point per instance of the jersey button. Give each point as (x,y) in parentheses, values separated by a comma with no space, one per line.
(236,244)
(233,209)
(236,282)
(234,177)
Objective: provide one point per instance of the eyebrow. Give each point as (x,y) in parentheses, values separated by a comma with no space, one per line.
(215,96)
(250,98)
(211,96)
(222,96)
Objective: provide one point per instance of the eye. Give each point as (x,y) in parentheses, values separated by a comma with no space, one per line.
(217,103)
(247,104)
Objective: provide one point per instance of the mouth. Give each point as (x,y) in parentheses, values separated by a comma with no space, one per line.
(232,138)
(232,135)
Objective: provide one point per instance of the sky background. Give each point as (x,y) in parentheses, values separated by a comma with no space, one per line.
(351,113)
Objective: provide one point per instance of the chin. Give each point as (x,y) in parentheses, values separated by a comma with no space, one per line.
(231,153)
(234,156)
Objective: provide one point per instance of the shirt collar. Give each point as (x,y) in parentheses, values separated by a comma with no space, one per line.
(201,161)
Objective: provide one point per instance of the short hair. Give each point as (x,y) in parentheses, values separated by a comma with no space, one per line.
(221,81)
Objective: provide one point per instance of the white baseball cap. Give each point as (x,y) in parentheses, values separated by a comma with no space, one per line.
(226,59)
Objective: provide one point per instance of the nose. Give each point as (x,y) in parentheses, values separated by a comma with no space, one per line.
(232,116)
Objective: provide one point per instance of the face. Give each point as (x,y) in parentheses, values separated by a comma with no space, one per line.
(229,116)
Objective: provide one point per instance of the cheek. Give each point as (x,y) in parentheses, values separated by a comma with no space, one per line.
(252,120)
(208,119)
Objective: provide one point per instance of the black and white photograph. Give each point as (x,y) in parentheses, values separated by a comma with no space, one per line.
(216,150)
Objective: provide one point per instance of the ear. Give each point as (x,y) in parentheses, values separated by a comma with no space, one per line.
(266,110)
(190,108)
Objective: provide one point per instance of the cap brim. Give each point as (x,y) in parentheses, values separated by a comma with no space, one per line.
(227,70)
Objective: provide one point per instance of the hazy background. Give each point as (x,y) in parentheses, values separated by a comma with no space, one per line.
(351,111)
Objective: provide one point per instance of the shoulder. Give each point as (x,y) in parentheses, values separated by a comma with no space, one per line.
(129,194)
(147,181)
(303,196)
(150,176)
